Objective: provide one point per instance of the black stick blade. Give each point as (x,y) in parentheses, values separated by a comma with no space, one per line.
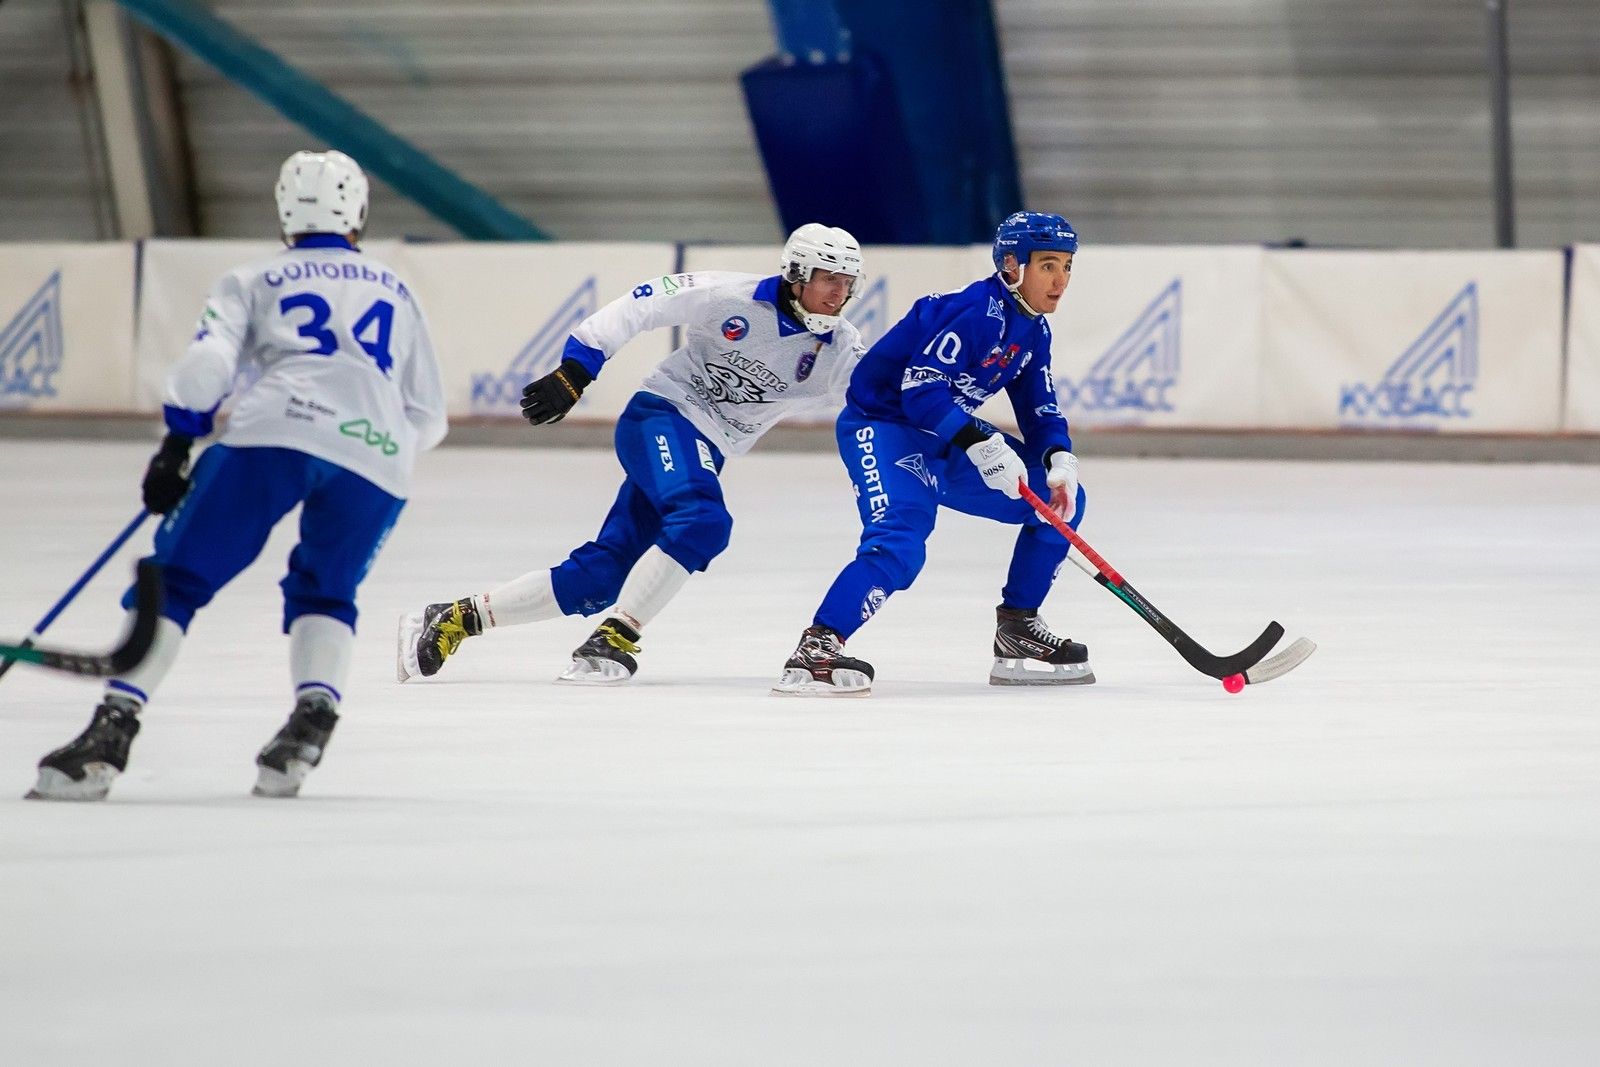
(135,644)
(1224,666)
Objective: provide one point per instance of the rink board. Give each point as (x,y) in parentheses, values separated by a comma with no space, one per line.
(1445,342)
(66,327)
(1583,342)
(1226,337)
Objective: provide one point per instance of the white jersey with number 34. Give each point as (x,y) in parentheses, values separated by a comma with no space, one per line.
(342,363)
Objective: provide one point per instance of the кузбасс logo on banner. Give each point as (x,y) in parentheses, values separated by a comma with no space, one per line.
(1433,379)
(31,347)
(495,393)
(1136,374)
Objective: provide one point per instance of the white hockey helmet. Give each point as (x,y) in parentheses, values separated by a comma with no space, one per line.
(818,247)
(321,192)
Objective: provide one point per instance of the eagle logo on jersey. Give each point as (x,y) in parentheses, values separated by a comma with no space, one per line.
(729,386)
(735,328)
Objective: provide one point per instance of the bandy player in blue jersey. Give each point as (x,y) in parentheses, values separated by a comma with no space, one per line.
(346,392)
(911,440)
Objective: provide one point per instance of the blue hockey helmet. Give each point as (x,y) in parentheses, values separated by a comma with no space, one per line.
(1027,232)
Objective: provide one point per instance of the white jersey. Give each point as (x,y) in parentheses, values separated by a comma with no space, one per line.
(742,366)
(342,363)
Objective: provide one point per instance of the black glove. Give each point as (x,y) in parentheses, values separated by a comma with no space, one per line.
(164,482)
(551,397)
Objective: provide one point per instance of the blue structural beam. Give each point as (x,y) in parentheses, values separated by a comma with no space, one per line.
(907,101)
(810,31)
(328,116)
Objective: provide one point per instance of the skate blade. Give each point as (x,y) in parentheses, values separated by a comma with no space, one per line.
(798,683)
(595,672)
(405,652)
(55,785)
(1017,672)
(271,782)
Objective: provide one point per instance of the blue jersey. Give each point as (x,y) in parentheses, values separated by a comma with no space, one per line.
(949,354)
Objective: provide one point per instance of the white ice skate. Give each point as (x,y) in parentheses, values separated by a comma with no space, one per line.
(282,766)
(1027,653)
(56,785)
(819,668)
(85,767)
(606,658)
(405,653)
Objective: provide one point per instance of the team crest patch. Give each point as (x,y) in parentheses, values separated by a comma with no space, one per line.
(872,602)
(995,310)
(803,369)
(735,328)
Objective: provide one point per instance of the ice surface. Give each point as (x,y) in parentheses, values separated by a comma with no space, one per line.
(1390,856)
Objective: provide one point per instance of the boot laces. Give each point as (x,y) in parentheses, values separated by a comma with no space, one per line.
(452,627)
(615,638)
(821,644)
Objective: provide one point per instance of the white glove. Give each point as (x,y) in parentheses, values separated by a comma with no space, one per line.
(1063,475)
(1001,468)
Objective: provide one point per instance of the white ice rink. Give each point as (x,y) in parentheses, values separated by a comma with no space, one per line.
(1390,856)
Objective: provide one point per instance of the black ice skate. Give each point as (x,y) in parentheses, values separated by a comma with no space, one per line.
(1027,653)
(84,768)
(607,657)
(819,667)
(289,757)
(427,639)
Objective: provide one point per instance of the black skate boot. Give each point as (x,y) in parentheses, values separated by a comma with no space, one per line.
(289,757)
(607,657)
(1027,653)
(84,768)
(819,667)
(431,637)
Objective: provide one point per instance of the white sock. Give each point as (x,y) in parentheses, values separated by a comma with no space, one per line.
(320,648)
(654,581)
(139,683)
(531,598)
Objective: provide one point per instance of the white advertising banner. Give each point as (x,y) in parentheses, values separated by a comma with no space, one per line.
(501,313)
(1166,337)
(175,276)
(66,327)
(1430,341)
(1583,342)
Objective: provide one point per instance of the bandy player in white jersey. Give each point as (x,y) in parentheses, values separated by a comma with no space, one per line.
(755,351)
(347,393)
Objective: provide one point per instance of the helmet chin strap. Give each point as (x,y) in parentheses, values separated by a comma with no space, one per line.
(813,321)
(1016,292)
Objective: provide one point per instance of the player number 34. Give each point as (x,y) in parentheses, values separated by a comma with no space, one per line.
(371,331)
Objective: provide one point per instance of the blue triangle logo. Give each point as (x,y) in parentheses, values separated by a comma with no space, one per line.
(1433,377)
(31,346)
(1135,374)
(540,356)
(1447,351)
(871,315)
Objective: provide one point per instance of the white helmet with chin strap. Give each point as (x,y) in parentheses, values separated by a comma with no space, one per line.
(321,192)
(817,247)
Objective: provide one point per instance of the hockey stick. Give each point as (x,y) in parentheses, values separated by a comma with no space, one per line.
(128,653)
(1248,664)
(77,587)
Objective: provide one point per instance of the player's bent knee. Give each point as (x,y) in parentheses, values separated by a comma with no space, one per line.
(696,541)
(898,561)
